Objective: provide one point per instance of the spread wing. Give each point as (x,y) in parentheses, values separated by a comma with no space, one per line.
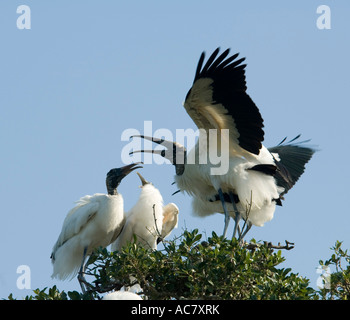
(218,100)
(291,161)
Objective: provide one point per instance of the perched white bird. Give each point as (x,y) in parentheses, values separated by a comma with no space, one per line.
(291,158)
(256,177)
(95,221)
(145,219)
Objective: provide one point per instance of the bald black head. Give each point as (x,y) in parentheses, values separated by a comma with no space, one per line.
(116,175)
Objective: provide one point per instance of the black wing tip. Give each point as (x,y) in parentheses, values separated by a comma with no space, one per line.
(304,144)
(293,141)
(229,88)
(294,155)
(214,62)
(199,66)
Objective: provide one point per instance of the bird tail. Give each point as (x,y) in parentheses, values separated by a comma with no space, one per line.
(66,263)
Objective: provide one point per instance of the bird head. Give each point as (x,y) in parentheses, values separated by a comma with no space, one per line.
(116,175)
(174,152)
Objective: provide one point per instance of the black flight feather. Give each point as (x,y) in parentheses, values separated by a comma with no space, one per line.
(229,89)
(293,158)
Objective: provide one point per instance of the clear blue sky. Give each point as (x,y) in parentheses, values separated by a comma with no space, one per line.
(88,70)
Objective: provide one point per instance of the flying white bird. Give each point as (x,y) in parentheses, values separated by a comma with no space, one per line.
(256,177)
(146,218)
(95,221)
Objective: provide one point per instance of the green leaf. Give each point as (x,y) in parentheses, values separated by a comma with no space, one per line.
(74,295)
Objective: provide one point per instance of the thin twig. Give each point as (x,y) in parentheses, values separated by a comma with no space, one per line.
(155,222)
(248,210)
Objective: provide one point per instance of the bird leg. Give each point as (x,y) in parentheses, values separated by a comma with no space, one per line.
(237,217)
(81,277)
(227,216)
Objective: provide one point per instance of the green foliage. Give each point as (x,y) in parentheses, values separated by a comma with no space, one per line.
(214,269)
(55,294)
(189,268)
(336,284)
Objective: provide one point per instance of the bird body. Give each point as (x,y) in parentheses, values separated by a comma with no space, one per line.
(256,177)
(95,221)
(260,191)
(143,220)
(149,220)
(255,190)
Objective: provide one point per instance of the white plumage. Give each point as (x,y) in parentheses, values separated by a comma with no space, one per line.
(95,221)
(127,293)
(257,178)
(254,189)
(122,295)
(145,219)
(170,219)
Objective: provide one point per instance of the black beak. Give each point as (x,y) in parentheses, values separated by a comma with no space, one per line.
(129,168)
(116,175)
(167,144)
(172,149)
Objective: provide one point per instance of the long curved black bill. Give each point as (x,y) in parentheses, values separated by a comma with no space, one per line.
(130,167)
(174,152)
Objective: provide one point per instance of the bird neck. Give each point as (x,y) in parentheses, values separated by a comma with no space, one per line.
(179,169)
(112,191)
(182,158)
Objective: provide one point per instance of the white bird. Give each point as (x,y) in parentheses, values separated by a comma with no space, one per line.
(122,295)
(145,219)
(291,158)
(133,292)
(257,177)
(95,221)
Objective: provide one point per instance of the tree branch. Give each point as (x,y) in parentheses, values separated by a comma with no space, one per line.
(287,246)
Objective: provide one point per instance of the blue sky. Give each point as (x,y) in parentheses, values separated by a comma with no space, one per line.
(87,71)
